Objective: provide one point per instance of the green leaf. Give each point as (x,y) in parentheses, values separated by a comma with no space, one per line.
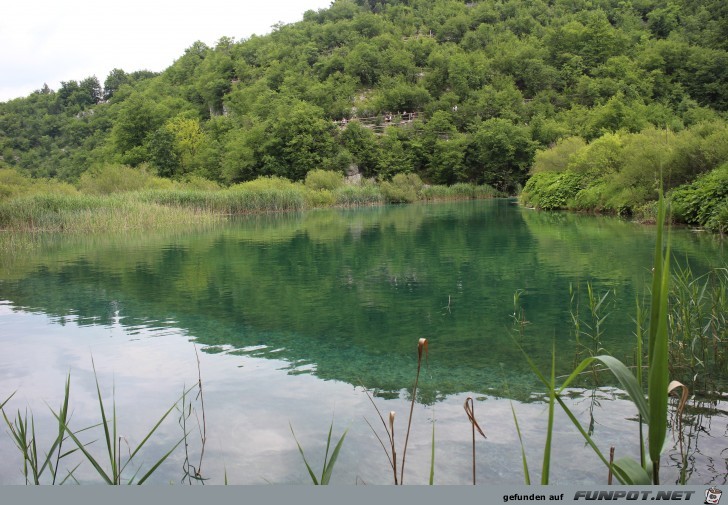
(526,475)
(630,472)
(550,429)
(330,467)
(300,449)
(658,375)
(625,378)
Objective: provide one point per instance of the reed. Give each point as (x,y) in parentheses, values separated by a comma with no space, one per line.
(391,453)
(459,191)
(38,463)
(469,407)
(328,467)
(358,195)
(114,474)
(653,409)
(698,346)
(25,438)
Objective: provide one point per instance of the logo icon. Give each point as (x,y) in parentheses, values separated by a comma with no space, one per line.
(712,496)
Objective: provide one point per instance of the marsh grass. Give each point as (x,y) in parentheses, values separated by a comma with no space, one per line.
(328,467)
(93,214)
(39,461)
(653,410)
(35,464)
(391,453)
(119,198)
(459,191)
(698,346)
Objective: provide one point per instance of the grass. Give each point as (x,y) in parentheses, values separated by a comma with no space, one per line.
(110,466)
(391,453)
(328,467)
(698,324)
(158,206)
(653,409)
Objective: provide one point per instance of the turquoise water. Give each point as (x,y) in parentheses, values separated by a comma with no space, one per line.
(296,313)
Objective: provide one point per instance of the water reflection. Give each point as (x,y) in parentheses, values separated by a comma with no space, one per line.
(294,309)
(345,295)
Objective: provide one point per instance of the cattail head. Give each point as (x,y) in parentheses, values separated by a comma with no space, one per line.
(422,344)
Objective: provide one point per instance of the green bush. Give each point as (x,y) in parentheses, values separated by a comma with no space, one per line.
(552,190)
(366,193)
(704,202)
(324,179)
(109,179)
(319,198)
(197,182)
(13,183)
(404,188)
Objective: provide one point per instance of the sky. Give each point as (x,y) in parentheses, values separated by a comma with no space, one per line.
(49,41)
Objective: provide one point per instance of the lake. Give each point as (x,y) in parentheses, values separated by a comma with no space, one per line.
(293,315)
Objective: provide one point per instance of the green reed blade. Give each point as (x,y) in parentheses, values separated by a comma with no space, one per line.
(148,436)
(526,475)
(159,462)
(623,375)
(300,449)
(7,400)
(545,469)
(432,457)
(85,452)
(110,447)
(326,476)
(658,375)
(630,472)
(70,475)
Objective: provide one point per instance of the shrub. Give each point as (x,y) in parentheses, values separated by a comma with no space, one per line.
(109,179)
(404,188)
(552,190)
(319,198)
(324,179)
(13,183)
(557,158)
(366,193)
(704,202)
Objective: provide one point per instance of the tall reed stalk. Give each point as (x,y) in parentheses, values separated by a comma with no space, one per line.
(389,429)
(469,407)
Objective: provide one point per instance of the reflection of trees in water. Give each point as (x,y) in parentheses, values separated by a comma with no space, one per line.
(346,294)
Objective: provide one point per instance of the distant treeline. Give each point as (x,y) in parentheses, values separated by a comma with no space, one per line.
(493,83)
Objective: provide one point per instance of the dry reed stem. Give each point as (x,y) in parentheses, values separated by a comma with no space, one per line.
(421,346)
(469,407)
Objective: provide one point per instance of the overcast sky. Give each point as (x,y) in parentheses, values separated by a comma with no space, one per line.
(49,41)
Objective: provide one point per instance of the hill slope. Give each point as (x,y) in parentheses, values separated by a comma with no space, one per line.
(491,82)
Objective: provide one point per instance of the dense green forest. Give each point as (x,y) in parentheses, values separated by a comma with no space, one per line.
(600,99)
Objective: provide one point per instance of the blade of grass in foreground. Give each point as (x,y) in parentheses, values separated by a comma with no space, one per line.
(432,459)
(658,374)
(7,400)
(114,476)
(549,432)
(526,475)
(328,464)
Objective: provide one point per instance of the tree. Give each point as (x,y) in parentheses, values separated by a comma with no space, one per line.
(116,78)
(300,139)
(500,154)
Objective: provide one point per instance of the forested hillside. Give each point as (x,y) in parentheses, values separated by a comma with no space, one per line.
(453,91)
